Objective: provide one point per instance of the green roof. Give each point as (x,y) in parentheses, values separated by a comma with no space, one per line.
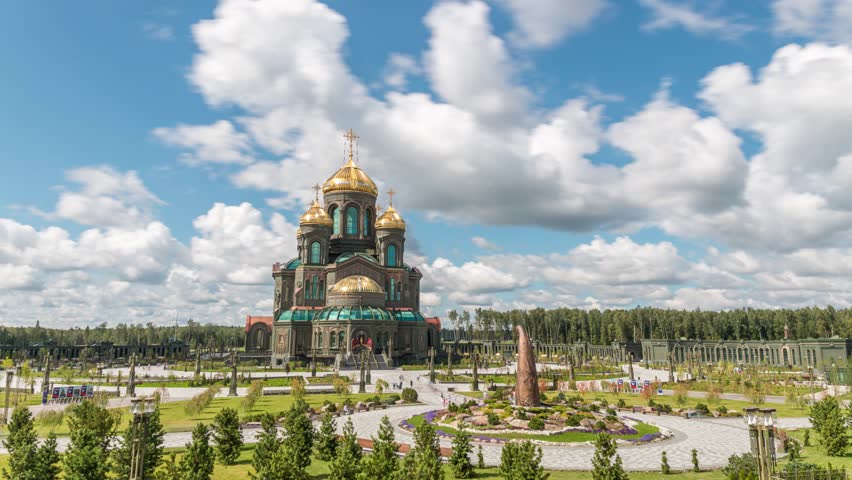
(348,255)
(293,263)
(349,313)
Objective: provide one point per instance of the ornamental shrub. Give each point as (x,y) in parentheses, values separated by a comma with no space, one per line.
(409,395)
(536,423)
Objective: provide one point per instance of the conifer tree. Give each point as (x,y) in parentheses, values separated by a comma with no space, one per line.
(480,458)
(28,461)
(228,435)
(460,458)
(664,464)
(153,442)
(326,441)
(197,460)
(522,461)
(299,435)
(695,466)
(92,429)
(268,444)
(346,461)
(603,465)
(425,458)
(382,462)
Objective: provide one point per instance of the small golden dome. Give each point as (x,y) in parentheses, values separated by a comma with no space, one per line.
(316,216)
(390,219)
(350,178)
(298,232)
(356,284)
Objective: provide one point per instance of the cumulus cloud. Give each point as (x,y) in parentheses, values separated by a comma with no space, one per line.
(542,23)
(819,19)
(219,142)
(399,68)
(484,243)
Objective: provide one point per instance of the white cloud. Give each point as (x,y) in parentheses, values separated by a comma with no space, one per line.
(16,276)
(820,19)
(468,65)
(542,23)
(399,68)
(158,31)
(219,142)
(666,14)
(484,243)
(469,278)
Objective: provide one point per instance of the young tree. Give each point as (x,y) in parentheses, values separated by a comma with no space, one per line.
(197,460)
(153,442)
(522,461)
(326,441)
(346,461)
(424,460)
(460,458)
(28,461)
(382,462)
(170,469)
(681,394)
(299,435)
(268,444)
(480,458)
(830,421)
(228,435)
(92,429)
(664,464)
(603,465)
(695,467)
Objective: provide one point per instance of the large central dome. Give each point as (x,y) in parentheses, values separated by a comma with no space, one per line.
(356,284)
(350,178)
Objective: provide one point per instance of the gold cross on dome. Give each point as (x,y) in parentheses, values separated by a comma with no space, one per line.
(316,189)
(352,138)
(391,193)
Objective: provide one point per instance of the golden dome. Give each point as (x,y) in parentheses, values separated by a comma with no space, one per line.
(356,284)
(348,179)
(316,216)
(390,219)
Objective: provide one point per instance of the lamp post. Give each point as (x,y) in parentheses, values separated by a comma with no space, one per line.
(761,426)
(141,409)
(9,374)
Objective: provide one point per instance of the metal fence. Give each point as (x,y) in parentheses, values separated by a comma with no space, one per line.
(808,474)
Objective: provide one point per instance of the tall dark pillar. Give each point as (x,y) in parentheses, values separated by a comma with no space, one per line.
(361,385)
(131,381)
(197,362)
(474,358)
(232,392)
(45,383)
(630,358)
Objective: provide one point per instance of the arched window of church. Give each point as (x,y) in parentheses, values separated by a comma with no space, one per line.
(352,221)
(366,228)
(387,289)
(315,253)
(322,289)
(332,338)
(391,256)
(314,286)
(319,339)
(398,289)
(392,289)
(341,339)
(335,214)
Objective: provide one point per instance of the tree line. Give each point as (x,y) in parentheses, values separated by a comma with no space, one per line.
(207,335)
(567,325)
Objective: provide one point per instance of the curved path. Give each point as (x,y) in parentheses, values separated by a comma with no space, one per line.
(715,439)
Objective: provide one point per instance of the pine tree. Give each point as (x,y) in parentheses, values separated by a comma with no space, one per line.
(522,461)
(382,462)
(197,460)
(425,458)
(664,464)
(326,441)
(92,428)
(299,435)
(806,440)
(480,458)
(603,466)
(170,469)
(228,435)
(830,423)
(28,461)
(346,461)
(153,442)
(460,458)
(695,467)
(268,444)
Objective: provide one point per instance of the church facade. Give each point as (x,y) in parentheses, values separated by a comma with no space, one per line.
(349,287)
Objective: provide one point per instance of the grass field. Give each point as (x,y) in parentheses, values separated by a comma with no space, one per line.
(175,419)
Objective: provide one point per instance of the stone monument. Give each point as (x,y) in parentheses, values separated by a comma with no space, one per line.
(526,379)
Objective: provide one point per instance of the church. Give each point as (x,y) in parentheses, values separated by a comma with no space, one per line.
(349,288)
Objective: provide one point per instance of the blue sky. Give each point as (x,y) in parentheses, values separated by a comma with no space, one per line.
(555,153)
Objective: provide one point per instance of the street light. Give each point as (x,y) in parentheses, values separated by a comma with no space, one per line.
(141,409)
(761,425)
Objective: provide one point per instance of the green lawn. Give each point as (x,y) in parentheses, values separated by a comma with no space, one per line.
(175,419)
(815,454)
(641,429)
(783,410)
